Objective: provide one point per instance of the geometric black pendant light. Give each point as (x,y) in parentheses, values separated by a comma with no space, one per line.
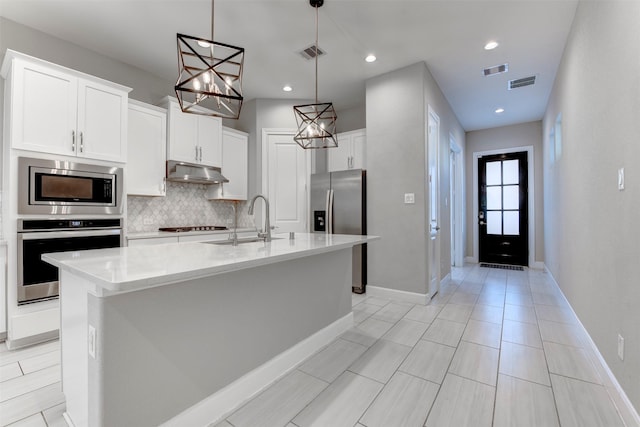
(316,122)
(210,76)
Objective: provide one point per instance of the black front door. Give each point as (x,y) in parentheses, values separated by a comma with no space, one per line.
(502,219)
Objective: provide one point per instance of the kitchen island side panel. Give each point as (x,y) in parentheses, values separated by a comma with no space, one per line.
(165,349)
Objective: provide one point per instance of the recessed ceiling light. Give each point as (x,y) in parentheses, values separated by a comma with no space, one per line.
(287,88)
(370,58)
(491,45)
(499,110)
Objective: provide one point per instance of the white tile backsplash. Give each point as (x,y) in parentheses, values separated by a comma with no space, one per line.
(184,205)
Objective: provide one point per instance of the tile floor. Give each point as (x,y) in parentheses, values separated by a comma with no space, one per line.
(493,348)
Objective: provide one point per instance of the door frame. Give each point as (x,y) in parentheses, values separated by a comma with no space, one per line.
(432,115)
(266,133)
(457,216)
(530,196)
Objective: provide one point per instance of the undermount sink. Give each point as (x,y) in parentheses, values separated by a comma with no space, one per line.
(242,240)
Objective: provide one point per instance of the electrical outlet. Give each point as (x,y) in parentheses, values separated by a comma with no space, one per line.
(92,341)
(620,347)
(409,198)
(147,220)
(621,179)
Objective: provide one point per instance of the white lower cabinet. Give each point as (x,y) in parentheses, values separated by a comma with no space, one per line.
(145,169)
(185,238)
(3,293)
(152,241)
(350,153)
(234,167)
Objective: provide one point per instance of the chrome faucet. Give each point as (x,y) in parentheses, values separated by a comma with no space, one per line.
(267,225)
(234,236)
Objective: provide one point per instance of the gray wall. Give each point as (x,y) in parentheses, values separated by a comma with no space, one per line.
(520,135)
(146,87)
(396,111)
(592,233)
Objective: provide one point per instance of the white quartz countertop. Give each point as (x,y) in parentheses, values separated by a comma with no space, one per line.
(117,270)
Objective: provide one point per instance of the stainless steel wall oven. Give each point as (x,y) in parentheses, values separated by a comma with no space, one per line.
(37,280)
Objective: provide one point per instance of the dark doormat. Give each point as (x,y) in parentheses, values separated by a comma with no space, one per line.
(502,266)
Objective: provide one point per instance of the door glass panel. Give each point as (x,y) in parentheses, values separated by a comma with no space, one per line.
(512,223)
(511,196)
(510,172)
(494,173)
(494,222)
(494,197)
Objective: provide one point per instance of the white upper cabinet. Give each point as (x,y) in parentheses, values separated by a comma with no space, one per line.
(193,138)
(350,153)
(234,167)
(147,142)
(56,110)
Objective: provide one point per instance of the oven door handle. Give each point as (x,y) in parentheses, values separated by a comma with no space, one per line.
(65,234)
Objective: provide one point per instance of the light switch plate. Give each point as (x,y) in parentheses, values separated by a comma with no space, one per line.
(621,179)
(409,198)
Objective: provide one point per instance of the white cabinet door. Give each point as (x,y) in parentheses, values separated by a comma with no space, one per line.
(234,167)
(145,169)
(192,138)
(60,111)
(210,140)
(358,147)
(339,156)
(350,153)
(102,122)
(43,108)
(183,135)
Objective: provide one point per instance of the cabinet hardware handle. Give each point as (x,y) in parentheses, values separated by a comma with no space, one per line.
(73,140)
(81,142)
(200,153)
(196,153)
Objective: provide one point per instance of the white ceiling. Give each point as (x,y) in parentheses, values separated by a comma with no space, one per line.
(448,35)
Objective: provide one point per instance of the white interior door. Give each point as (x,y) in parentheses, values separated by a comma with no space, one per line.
(287,175)
(433,201)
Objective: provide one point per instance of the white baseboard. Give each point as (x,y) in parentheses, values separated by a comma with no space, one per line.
(628,408)
(221,404)
(470,260)
(445,280)
(537,265)
(398,295)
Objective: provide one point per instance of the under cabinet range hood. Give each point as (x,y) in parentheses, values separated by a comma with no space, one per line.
(198,174)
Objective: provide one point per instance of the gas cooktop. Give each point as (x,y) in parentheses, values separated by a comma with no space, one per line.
(193,228)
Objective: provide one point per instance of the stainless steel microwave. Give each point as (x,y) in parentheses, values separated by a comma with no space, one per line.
(54,187)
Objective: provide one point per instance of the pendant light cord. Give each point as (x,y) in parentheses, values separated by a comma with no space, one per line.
(316,54)
(212,16)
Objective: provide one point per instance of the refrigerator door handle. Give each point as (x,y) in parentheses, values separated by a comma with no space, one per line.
(330,213)
(326,210)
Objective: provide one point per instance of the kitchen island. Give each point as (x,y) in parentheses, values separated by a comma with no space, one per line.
(181,334)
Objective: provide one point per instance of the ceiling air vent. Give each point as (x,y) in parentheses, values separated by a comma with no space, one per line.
(525,81)
(310,52)
(496,69)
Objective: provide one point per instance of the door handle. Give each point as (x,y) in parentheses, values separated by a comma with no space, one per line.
(482,223)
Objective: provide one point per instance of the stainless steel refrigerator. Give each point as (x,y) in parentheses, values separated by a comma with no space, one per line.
(339,206)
